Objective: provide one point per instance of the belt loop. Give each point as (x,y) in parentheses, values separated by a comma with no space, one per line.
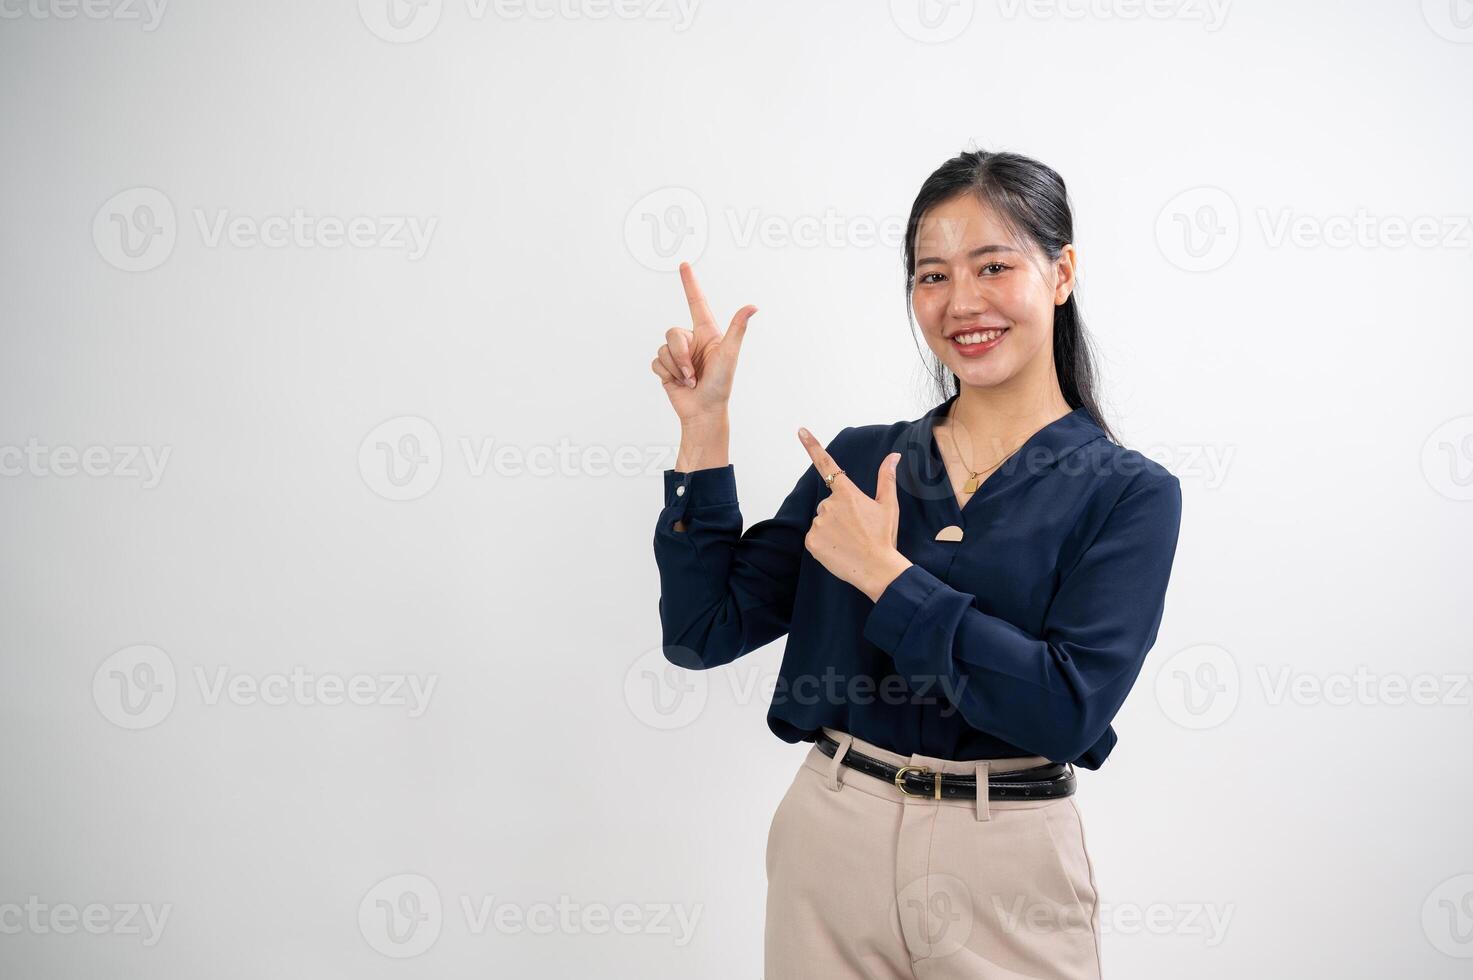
(844,740)
(984,803)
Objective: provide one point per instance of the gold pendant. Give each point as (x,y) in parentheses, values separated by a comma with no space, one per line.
(972,484)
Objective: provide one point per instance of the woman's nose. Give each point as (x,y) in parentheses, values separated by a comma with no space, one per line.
(967,296)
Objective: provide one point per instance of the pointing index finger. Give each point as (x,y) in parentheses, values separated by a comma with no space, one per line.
(701,316)
(822,461)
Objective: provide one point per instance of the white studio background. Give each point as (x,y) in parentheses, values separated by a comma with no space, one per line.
(329,643)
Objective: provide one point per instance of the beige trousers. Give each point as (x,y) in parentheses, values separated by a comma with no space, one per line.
(865,881)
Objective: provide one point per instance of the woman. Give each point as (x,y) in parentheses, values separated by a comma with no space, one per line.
(968,598)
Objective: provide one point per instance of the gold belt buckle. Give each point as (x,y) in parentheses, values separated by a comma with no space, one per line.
(900,780)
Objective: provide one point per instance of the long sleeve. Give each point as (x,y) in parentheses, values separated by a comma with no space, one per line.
(723,593)
(1053,695)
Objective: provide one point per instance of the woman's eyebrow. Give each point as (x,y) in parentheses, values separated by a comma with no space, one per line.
(974,253)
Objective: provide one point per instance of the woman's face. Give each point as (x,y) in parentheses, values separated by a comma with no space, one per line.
(971,278)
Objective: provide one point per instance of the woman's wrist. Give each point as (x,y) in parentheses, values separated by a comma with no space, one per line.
(887,568)
(705,443)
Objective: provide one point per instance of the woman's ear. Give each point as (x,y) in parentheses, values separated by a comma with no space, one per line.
(1066,269)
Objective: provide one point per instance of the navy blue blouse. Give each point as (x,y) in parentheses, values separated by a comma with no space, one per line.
(1019,629)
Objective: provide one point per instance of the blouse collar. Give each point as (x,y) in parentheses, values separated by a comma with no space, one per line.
(1040,451)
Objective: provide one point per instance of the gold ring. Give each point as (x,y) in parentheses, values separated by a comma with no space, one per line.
(828,481)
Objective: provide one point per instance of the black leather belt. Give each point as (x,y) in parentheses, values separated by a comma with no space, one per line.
(1045,782)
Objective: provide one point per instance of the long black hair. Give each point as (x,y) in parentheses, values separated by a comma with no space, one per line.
(1031,199)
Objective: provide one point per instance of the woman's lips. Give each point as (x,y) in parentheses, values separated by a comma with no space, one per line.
(977,350)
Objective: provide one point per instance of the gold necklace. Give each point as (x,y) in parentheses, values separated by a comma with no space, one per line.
(974,479)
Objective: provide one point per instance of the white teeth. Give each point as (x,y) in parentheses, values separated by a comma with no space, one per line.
(977,338)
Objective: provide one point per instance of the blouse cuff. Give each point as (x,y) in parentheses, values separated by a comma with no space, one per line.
(897,607)
(908,625)
(700,488)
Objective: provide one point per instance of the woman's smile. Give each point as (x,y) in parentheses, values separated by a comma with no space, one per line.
(975,343)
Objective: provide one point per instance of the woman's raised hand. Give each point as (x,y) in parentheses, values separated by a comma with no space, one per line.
(697,366)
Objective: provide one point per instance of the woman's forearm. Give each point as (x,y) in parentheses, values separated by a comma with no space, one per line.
(704,444)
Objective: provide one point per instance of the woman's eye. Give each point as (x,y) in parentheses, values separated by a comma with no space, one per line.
(927,277)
